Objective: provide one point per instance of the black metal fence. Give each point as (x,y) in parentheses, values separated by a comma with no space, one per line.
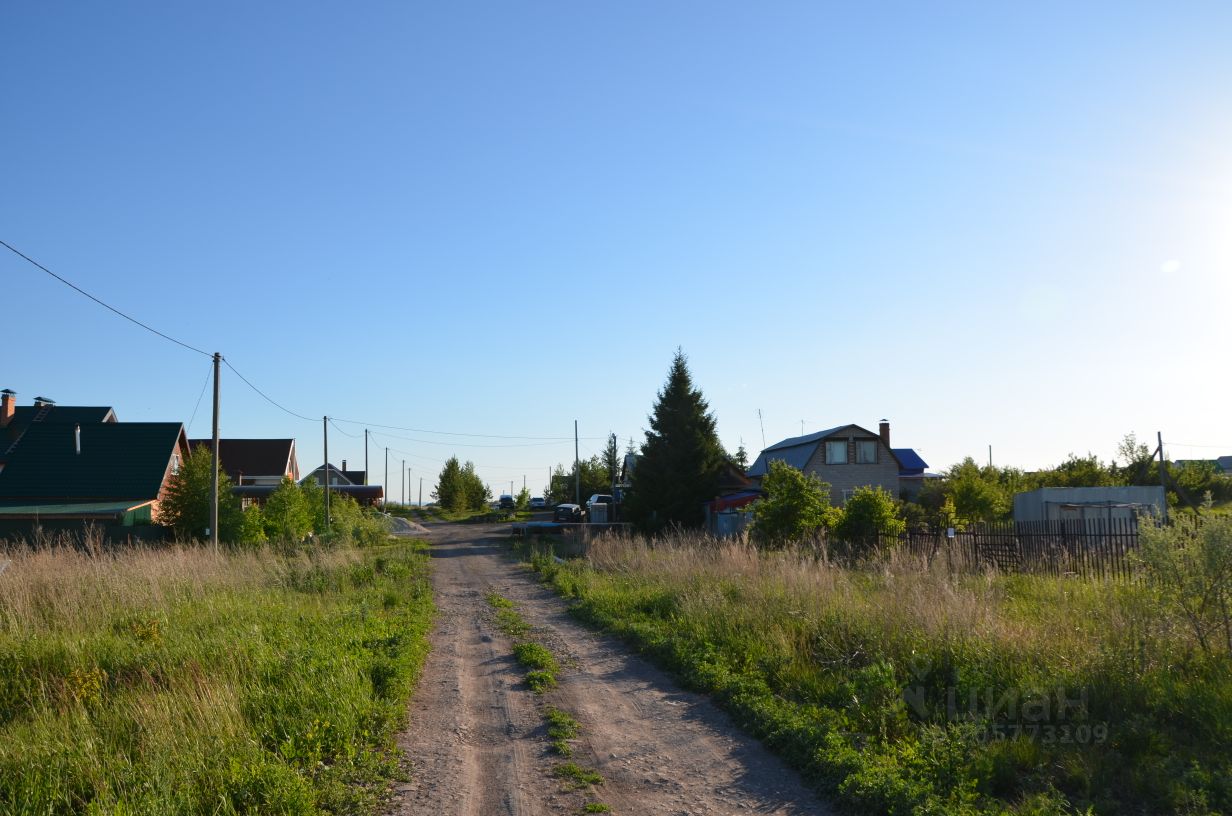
(1090,548)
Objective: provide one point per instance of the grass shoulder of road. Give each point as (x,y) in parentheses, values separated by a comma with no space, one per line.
(908,691)
(189,680)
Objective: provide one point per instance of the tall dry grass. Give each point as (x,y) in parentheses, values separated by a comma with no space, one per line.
(57,584)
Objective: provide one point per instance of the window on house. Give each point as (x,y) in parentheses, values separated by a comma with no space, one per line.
(836,452)
(866,451)
(175,463)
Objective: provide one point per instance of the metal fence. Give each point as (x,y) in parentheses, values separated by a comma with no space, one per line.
(1091,548)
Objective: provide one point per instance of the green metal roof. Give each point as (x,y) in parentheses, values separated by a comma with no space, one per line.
(119,461)
(71,509)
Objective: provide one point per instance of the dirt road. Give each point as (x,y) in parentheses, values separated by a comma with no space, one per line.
(477,744)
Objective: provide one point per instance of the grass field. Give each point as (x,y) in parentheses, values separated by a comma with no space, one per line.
(187,680)
(902,690)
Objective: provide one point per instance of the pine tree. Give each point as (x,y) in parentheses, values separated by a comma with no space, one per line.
(611,460)
(742,456)
(681,458)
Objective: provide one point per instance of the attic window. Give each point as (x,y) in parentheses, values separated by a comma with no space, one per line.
(836,452)
(866,451)
(175,463)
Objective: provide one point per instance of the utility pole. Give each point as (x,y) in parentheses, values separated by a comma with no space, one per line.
(385,500)
(365,457)
(802,427)
(214,466)
(1163,479)
(421,491)
(404,482)
(523,482)
(325,429)
(577,467)
(990,456)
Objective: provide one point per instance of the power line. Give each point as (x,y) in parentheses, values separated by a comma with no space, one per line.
(107,306)
(540,439)
(209,373)
(264,395)
(472,445)
(344,433)
(1187,445)
(456,433)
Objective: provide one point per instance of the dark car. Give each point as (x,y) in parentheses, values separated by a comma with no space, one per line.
(569,513)
(507,502)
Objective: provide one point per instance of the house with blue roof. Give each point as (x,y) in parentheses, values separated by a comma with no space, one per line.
(848,457)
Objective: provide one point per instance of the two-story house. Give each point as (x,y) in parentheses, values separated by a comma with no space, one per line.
(846,457)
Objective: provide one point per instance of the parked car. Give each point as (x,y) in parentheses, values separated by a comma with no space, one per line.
(507,502)
(538,503)
(569,513)
(599,498)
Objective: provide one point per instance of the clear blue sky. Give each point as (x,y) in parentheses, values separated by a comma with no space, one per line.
(1007,226)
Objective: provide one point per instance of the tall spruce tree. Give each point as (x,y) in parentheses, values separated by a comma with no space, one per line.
(681,459)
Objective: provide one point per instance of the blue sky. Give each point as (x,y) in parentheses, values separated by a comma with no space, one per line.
(990,223)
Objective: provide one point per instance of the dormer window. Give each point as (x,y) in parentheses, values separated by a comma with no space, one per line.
(866,451)
(836,452)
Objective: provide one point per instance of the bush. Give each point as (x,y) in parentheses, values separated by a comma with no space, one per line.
(869,514)
(1189,563)
(796,507)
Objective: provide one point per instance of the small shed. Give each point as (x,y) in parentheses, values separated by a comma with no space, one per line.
(1088,503)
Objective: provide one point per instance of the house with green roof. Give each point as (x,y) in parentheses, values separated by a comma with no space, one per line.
(61,470)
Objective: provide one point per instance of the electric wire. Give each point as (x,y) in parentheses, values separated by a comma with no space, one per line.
(457,433)
(344,433)
(264,395)
(107,306)
(209,372)
(545,440)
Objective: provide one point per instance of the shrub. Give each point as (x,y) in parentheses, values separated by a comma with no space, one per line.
(796,507)
(1189,563)
(869,514)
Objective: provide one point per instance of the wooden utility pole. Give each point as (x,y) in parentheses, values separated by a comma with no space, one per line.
(421,491)
(1163,476)
(214,465)
(403,481)
(325,430)
(365,457)
(385,500)
(577,468)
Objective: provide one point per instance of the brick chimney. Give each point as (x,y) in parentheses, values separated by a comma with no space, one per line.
(884,430)
(8,405)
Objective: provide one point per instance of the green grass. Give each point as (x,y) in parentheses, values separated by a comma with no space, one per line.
(562,727)
(540,680)
(534,656)
(904,691)
(577,776)
(596,807)
(186,681)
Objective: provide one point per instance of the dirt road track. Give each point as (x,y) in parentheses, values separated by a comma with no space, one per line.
(476,743)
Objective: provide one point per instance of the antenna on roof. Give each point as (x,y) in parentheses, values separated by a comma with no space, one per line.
(763,429)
